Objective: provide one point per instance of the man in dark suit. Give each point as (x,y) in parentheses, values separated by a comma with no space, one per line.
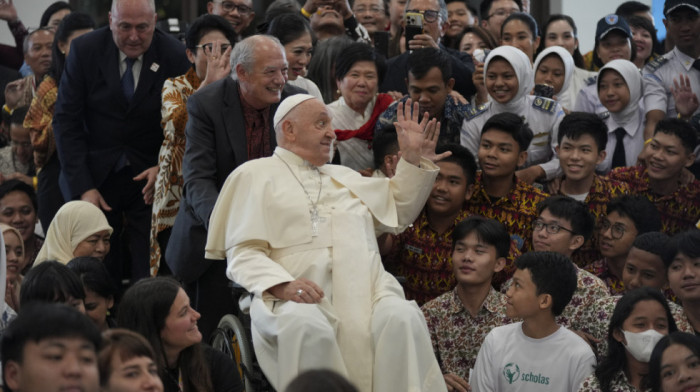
(229,123)
(434,26)
(107,124)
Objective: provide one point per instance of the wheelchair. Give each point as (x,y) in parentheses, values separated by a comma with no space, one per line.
(233,337)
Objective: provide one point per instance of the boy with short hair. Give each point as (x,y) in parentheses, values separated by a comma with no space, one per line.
(682,263)
(627,217)
(644,267)
(536,354)
(670,151)
(422,253)
(563,225)
(498,193)
(385,149)
(50,347)
(459,320)
(582,139)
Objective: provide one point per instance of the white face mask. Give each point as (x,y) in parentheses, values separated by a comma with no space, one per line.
(641,344)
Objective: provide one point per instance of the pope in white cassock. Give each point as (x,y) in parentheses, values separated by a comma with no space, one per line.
(300,235)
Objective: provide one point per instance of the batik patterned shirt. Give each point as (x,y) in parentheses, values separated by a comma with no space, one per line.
(457,335)
(619,383)
(602,191)
(600,269)
(424,258)
(450,124)
(679,210)
(169,181)
(517,210)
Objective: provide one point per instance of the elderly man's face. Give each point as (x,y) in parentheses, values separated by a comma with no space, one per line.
(239,12)
(262,84)
(434,29)
(38,57)
(132,23)
(313,134)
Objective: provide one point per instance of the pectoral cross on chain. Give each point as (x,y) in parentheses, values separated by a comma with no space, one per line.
(315,219)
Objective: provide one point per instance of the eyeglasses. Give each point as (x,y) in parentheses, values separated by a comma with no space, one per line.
(503,13)
(373,10)
(229,6)
(616,231)
(552,228)
(430,16)
(208,47)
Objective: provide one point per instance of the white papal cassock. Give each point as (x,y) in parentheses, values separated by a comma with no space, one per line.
(363,328)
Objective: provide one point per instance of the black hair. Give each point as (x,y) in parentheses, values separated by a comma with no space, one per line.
(423,60)
(681,129)
(206,24)
(629,8)
(277,8)
(527,19)
(320,380)
(462,157)
(578,58)
(641,22)
(38,321)
(144,309)
(482,33)
(488,231)
(94,275)
(574,211)
(18,115)
(17,185)
(639,209)
(686,243)
(616,359)
(385,142)
(511,124)
(50,281)
(72,22)
(576,124)
(552,273)
(688,340)
(355,53)
(289,27)
(323,62)
(633,48)
(654,242)
(52,9)
(485,8)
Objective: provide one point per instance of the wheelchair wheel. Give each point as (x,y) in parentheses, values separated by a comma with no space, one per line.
(230,338)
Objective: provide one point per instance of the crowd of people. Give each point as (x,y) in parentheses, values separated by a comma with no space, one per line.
(416,195)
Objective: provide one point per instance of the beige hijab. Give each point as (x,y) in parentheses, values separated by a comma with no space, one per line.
(73,223)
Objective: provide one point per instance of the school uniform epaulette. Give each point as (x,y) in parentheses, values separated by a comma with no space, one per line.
(474,111)
(591,80)
(545,105)
(604,115)
(657,63)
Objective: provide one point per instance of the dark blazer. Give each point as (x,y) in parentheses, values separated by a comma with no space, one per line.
(216,145)
(462,69)
(94,124)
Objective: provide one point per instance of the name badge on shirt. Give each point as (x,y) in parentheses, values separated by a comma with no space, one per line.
(414,249)
(154,67)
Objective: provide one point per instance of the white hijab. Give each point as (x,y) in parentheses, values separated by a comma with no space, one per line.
(523,71)
(74,222)
(630,73)
(568,61)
